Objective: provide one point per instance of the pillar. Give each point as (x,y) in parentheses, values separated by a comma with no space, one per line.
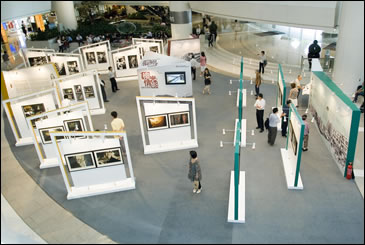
(181,19)
(65,12)
(349,60)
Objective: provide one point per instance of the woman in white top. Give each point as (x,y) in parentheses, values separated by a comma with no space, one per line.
(263,61)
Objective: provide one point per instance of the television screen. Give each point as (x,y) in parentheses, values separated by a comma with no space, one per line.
(173,78)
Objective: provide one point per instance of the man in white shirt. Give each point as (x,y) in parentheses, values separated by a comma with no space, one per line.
(297,83)
(260,107)
(112,80)
(194,64)
(273,126)
(118,125)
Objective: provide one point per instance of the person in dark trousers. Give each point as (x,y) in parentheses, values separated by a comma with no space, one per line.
(359,92)
(313,52)
(195,173)
(285,118)
(112,80)
(263,62)
(257,83)
(273,126)
(6,59)
(260,108)
(207,80)
(24,29)
(102,87)
(213,30)
(194,64)
(210,40)
(306,133)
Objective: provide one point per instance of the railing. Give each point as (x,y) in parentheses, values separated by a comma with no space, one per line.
(327,63)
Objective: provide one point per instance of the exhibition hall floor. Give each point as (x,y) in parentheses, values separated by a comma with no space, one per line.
(163,209)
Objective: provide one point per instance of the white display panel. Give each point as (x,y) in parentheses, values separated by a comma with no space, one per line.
(149,45)
(96,56)
(183,47)
(126,61)
(36,57)
(67,65)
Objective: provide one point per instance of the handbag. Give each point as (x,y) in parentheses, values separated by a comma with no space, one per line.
(265,63)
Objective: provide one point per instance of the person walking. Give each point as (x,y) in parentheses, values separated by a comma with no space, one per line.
(112,80)
(195,173)
(293,94)
(213,30)
(314,51)
(60,45)
(273,126)
(257,83)
(198,30)
(118,125)
(6,59)
(359,92)
(210,40)
(207,80)
(24,29)
(194,64)
(306,133)
(79,39)
(285,118)
(260,108)
(203,63)
(298,85)
(102,87)
(263,62)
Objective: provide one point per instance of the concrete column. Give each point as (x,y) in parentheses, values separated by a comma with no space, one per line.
(349,61)
(181,19)
(65,12)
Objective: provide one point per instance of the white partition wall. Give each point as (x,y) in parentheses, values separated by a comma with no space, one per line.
(96,56)
(84,86)
(126,61)
(36,57)
(94,163)
(67,64)
(183,48)
(18,109)
(153,45)
(167,124)
(62,119)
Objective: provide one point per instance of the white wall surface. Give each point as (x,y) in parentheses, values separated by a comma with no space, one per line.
(11,10)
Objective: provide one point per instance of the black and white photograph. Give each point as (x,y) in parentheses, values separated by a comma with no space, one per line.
(78,88)
(108,157)
(156,122)
(72,67)
(74,125)
(132,60)
(32,110)
(90,58)
(154,49)
(46,137)
(69,93)
(89,92)
(101,57)
(61,69)
(78,91)
(121,63)
(174,78)
(36,61)
(80,161)
(179,119)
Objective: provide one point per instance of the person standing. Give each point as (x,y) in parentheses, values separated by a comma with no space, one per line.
(79,39)
(273,126)
(24,29)
(299,86)
(293,94)
(207,81)
(6,59)
(213,30)
(102,87)
(198,30)
(285,118)
(257,83)
(203,63)
(210,40)
(194,64)
(195,173)
(118,125)
(60,45)
(263,62)
(313,52)
(359,92)
(260,107)
(112,80)
(306,133)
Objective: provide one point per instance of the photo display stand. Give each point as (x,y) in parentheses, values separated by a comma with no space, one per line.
(96,56)
(292,154)
(67,63)
(65,118)
(36,57)
(167,123)
(19,108)
(125,62)
(161,75)
(84,86)
(184,48)
(281,93)
(94,163)
(16,83)
(337,119)
(153,45)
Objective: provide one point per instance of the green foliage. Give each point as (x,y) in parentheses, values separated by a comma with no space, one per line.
(137,16)
(46,35)
(85,8)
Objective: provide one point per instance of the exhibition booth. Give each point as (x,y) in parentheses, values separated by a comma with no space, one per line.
(96,56)
(67,63)
(153,45)
(36,57)
(184,48)
(125,62)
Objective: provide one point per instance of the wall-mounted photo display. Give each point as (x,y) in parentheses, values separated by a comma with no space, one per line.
(78,91)
(293,138)
(180,119)
(89,92)
(101,57)
(154,49)
(132,60)
(46,137)
(61,68)
(72,67)
(75,125)
(175,78)
(280,97)
(108,157)
(32,110)
(36,61)
(80,161)
(121,63)
(69,93)
(90,58)
(156,122)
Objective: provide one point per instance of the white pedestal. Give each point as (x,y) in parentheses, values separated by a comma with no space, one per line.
(241,199)
(157,148)
(79,192)
(289,169)
(49,163)
(24,141)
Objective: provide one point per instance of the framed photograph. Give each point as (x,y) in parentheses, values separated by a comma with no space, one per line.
(108,157)
(121,63)
(293,138)
(156,122)
(101,57)
(80,161)
(74,125)
(132,60)
(46,137)
(90,58)
(69,93)
(180,119)
(61,69)
(154,49)
(72,67)
(78,91)
(32,110)
(175,78)
(89,92)
(36,61)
